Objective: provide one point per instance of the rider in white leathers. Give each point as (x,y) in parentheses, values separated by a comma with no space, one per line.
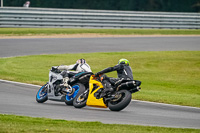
(79,66)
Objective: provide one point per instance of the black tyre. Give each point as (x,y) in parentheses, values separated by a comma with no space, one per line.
(42,94)
(78,88)
(121,100)
(80,100)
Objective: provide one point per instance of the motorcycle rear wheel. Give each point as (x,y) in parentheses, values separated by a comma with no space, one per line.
(80,100)
(121,100)
(78,89)
(41,95)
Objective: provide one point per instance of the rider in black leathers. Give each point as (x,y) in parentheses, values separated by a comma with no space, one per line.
(124,73)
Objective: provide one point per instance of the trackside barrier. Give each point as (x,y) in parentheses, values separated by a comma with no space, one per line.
(72,18)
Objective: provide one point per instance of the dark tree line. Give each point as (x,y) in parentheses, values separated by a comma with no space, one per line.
(131,5)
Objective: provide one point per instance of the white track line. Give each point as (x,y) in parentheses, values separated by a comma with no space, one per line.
(172,105)
(19,83)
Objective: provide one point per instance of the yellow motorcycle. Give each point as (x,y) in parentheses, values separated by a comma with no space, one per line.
(115,100)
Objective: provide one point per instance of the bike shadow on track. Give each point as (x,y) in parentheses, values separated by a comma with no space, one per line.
(87,108)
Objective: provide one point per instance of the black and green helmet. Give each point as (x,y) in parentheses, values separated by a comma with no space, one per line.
(124,61)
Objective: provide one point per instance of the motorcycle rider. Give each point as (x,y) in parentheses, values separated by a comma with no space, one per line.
(124,73)
(67,73)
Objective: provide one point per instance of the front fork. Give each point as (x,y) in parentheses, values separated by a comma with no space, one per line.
(85,93)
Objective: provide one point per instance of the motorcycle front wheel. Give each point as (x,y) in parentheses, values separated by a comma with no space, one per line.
(121,100)
(41,95)
(80,100)
(78,88)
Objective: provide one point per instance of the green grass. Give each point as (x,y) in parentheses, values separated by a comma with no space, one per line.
(50,31)
(167,77)
(18,124)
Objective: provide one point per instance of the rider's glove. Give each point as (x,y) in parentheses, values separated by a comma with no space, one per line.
(54,68)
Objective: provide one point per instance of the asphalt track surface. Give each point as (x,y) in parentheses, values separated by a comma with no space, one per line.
(20,99)
(20,47)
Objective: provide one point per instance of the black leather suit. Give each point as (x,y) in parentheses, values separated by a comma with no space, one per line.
(124,72)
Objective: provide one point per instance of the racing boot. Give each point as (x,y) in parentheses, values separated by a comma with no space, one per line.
(107,89)
(66,85)
(65,81)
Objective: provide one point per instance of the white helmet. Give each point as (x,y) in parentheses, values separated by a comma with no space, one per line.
(81,61)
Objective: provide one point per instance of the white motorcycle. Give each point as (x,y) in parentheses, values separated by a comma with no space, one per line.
(54,89)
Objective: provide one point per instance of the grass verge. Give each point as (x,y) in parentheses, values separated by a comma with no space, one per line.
(167,77)
(53,31)
(18,124)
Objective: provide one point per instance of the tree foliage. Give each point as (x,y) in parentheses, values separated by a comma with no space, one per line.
(131,5)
